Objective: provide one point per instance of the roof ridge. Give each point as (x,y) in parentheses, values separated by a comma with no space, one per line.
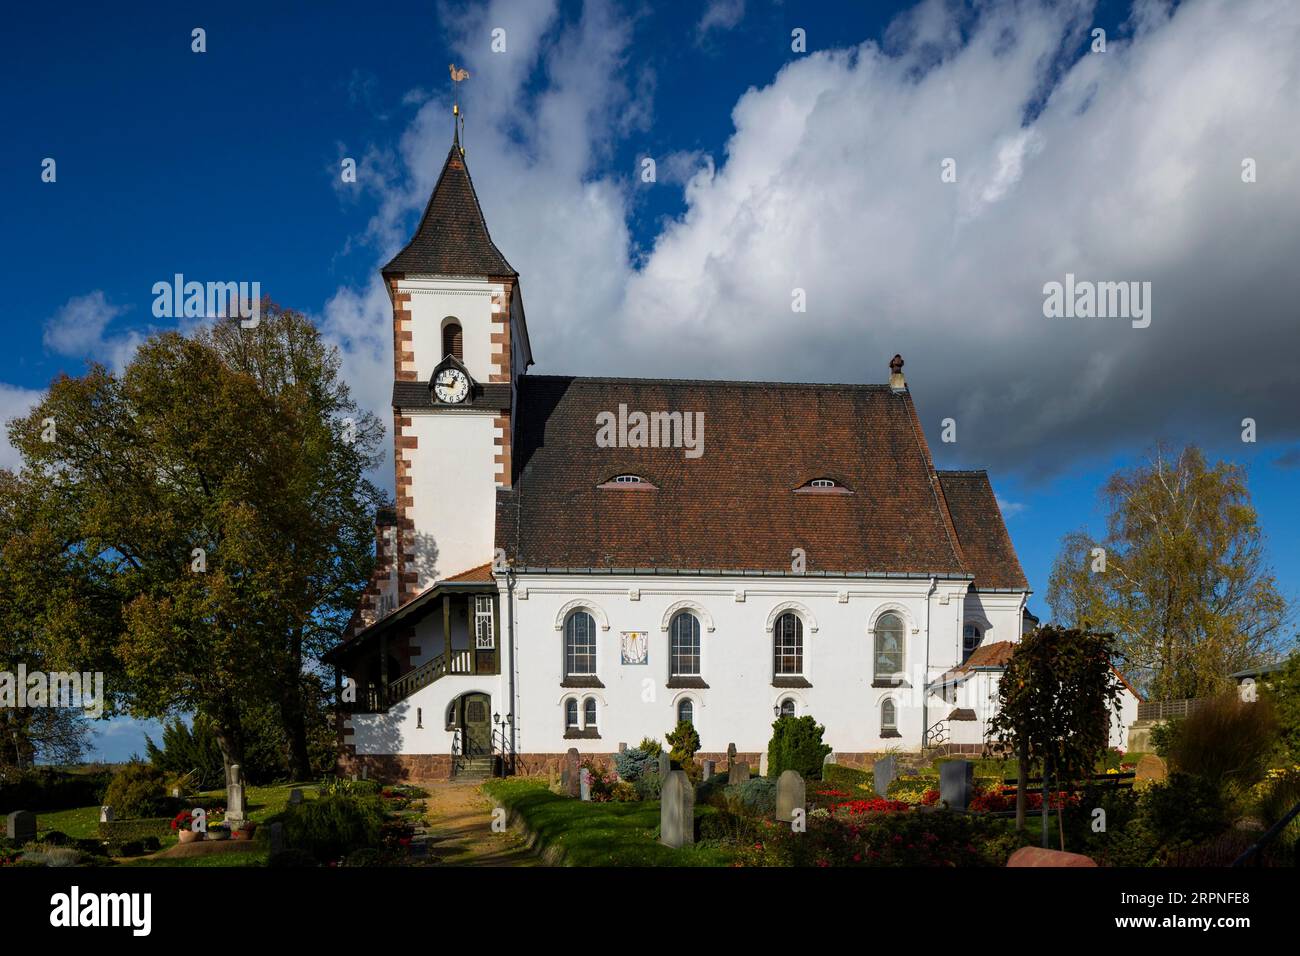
(730,383)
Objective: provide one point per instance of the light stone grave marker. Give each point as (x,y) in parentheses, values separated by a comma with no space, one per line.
(791,795)
(677,811)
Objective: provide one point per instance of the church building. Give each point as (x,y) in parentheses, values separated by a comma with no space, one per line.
(582,562)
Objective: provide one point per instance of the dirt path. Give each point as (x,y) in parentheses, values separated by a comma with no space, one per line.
(460,829)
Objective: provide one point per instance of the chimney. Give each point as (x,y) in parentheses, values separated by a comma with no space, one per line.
(896,380)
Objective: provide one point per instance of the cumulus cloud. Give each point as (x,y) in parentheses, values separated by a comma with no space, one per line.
(14,403)
(77,330)
(1122,166)
(721,15)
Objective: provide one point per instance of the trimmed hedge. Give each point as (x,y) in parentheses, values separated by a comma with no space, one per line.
(129,831)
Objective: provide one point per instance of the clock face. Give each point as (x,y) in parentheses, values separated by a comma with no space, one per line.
(451,386)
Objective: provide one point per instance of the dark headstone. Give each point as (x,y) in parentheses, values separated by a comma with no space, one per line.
(572,781)
(20,826)
(956,783)
(709,767)
(791,795)
(295,797)
(277,837)
(677,811)
(739,773)
(665,765)
(731,755)
(886,771)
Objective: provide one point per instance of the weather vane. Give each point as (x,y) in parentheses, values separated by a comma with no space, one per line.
(458,121)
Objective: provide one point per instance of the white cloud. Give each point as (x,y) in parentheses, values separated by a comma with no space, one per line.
(14,403)
(77,330)
(1128,168)
(721,15)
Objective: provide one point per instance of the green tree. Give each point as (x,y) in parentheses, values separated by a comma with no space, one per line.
(1283,688)
(797,745)
(1185,586)
(1056,701)
(213,501)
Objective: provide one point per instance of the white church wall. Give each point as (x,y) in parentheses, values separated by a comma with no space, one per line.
(470,302)
(453,495)
(417,724)
(736,658)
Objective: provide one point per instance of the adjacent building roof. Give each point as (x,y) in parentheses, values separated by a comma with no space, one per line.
(734,508)
(981,531)
(452,238)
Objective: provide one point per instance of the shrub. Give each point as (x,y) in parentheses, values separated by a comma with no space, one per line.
(649,787)
(52,855)
(757,795)
(685,742)
(138,790)
(333,826)
(796,745)
(123,831)
(48,789)
(1226,740)
(650,746)
(1162,734)
(632,765)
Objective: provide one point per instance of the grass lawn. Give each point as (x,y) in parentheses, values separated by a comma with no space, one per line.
(599,834)
(265,803)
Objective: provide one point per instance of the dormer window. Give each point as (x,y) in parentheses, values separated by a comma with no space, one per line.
(628,482)
(822,486)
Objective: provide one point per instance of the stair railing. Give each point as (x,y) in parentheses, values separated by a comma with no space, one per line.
(936,735)
(503,751)
(1269,836)
(457,753)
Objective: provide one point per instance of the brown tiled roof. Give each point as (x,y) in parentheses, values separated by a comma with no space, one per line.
(452,238)
(418,395)
(734,508)
(981,532)
(482,573)
(997,654)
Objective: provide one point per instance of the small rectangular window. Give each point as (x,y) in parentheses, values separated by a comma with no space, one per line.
(484,636)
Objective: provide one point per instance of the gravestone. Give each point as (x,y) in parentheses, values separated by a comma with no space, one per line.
(677,811)
(956,783)
(21,826)
(665,765)
(791,795)
(1152,768)
(105,814)
(176,792)
(829,759)
(708,769)
(731,755)
(886,771)
(622,748)
(739,773)
(572,783)
(236,807)
(584,784)
(277,838)
(762,764)
(295,797)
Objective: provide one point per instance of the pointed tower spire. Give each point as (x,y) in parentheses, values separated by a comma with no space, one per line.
(452,238)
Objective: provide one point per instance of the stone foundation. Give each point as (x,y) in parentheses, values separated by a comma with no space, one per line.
(396,768)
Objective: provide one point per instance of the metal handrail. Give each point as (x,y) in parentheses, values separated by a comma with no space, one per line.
(1269,836)
(937,734)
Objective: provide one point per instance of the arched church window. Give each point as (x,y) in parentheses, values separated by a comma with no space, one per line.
(580,645)
(453,341)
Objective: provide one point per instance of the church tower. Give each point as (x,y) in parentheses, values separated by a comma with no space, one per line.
(460,343)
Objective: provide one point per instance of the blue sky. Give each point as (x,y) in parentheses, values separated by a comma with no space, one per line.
(776,170)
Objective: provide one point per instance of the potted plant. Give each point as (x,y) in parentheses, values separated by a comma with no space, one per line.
(243,830)
(182,823)
(219,832)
